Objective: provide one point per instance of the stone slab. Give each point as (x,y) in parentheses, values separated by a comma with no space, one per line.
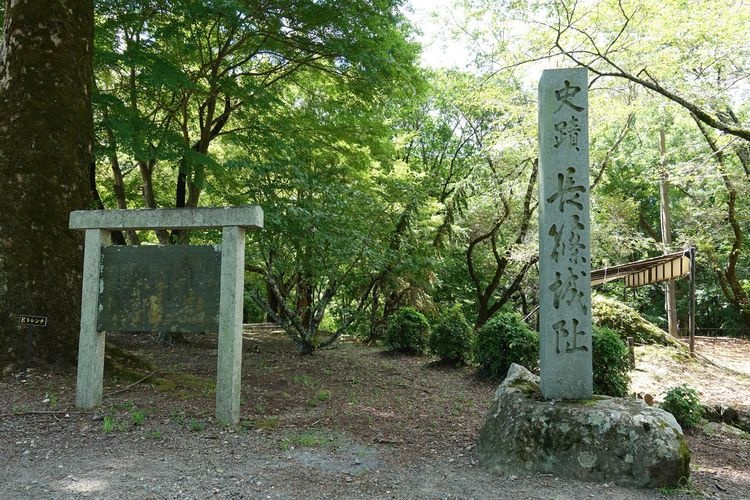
(168,218)
(150,288)
(564,241)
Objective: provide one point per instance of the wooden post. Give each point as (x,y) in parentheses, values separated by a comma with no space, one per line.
(692,301)
(89,382)
(631,351)
(229,362)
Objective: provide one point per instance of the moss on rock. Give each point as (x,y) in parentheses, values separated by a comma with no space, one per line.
(627,322)
(619,440)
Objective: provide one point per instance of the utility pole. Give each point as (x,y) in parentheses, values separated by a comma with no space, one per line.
(670,301)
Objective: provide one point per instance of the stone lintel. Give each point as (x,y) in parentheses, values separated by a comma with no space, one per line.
(168,218)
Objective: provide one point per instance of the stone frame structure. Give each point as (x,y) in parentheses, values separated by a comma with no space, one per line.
(97,225)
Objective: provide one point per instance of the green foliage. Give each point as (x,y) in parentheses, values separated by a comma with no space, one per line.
(626,321)
(503,340)
(153,434)
(408,331)
(20,409)
(667,97)
(450,339)
(282,105)
(685,488)
(108,425)
(261,423)
(684,403)
(137,417)
(304,379)
(177,417)
(196,425)
(611,363)
(112,424)
(308,439)
(379,179)
(321,396)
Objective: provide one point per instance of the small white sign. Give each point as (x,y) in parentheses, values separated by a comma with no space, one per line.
(29,320)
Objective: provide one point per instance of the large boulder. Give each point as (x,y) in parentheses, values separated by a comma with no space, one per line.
(603,439)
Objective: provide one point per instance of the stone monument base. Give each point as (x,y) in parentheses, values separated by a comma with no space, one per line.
(603,439)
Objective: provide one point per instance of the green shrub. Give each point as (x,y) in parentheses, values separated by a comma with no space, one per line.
(503,340)
(450,337)
(408,331)
(627,322)
(684,403)
(611,363)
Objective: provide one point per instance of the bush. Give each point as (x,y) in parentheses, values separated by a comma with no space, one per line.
(450,337)
(503,340)
(611,363)
(683,402)
(408,331)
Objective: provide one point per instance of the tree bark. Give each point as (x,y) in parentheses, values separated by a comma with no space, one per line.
(485,294)
(670,295)
(118,180)
(728,279)
(45,152)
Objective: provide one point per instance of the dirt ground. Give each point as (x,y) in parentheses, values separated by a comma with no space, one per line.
(347,422)
(720,370)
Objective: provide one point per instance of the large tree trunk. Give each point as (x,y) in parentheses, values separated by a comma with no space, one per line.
(45,151)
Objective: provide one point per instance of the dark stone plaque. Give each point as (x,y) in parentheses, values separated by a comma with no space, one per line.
(173,288)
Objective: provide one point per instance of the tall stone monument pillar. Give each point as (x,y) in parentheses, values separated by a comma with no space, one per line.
(564,250)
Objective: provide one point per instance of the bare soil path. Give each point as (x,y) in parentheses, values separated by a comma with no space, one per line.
(347,422)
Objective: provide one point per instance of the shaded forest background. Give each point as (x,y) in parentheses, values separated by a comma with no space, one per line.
(386,184)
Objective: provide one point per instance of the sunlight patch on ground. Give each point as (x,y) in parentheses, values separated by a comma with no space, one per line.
(83,485)
(730,353)
(660,369)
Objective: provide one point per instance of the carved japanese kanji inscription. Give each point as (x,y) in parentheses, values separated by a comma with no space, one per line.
(564,263)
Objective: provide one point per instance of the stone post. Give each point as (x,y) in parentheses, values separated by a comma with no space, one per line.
(89,381)
(564,244)
(229,362)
